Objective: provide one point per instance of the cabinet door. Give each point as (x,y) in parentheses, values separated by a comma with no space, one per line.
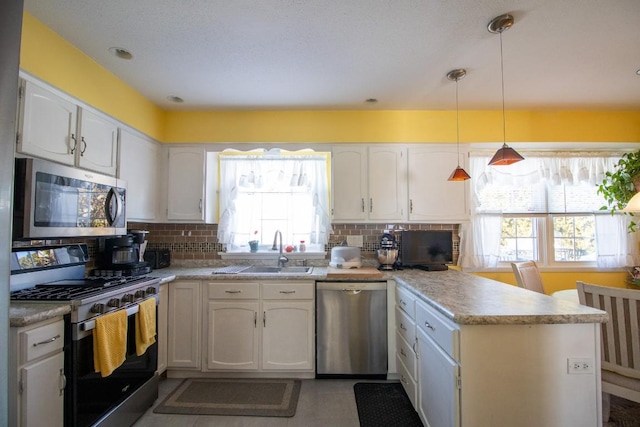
(163,317)
(431,196)
(139,159)
(349,187)
(387,183)
(184,325)
(233,335)
(98,145)
(42,398)
(438,393)
(186,200)
(47,125)
(287,340)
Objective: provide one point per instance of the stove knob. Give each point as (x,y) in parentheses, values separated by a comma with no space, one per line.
(114,302)
(127,298)
(140,294)
(151,290)
(97,308)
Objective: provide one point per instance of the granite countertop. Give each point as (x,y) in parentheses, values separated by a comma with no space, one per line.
(464,298)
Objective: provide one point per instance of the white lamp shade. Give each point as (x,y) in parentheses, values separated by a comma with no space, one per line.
(633,205)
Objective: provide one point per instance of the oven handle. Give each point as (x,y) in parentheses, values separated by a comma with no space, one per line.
(91,324)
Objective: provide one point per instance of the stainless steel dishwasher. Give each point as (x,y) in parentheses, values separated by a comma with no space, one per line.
(351,329)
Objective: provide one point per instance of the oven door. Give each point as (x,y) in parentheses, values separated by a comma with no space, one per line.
(89,396)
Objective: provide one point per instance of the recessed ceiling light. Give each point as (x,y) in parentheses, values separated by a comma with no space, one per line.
(371,101)
(176,99)
(120,53)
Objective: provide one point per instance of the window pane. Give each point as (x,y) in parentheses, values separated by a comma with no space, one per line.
(512,198)
(574,238)
(519,239)
(575,198)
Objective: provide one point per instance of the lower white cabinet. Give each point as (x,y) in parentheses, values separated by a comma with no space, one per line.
(184,320)
(260,326)
(36,374)
(163,318)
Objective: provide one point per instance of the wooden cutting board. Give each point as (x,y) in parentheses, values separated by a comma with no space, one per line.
(354,273)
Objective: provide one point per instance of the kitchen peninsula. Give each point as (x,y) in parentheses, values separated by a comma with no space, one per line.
(483,352)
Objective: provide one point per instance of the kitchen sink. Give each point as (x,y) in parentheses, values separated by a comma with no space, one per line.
(259,269)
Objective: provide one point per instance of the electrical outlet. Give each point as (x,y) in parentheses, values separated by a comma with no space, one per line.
(580,365)
(356,241)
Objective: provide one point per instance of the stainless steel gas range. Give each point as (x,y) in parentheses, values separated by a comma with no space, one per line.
(56,274)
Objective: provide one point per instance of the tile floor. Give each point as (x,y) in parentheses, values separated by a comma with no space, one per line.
(321,403)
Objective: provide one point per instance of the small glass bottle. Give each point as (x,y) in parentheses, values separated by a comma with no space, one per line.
(302,246)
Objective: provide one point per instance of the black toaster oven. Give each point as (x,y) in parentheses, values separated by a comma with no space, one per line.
(158,258)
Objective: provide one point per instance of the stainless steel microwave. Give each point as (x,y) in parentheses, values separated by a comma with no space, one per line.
(55,201)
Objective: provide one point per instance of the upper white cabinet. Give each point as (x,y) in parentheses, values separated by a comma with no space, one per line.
(139,159)
(369,183)
(431,196)
(54,127)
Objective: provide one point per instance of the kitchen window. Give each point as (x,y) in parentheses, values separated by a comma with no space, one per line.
(545,208)
(265,191)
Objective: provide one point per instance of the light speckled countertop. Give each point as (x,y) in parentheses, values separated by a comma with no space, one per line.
(464,298)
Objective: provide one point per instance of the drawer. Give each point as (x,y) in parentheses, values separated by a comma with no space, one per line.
(231,290)
(407,354)
(406,301)
(287,290)
(408,383)
(41,341)
(444,332)
(405,326)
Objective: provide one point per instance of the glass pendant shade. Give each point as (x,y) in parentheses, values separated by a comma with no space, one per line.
(633,205)
(505,156)
(459,174)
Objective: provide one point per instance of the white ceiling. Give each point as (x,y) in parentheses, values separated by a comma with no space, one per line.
(334,54)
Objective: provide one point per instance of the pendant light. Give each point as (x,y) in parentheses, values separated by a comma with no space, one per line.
(505,155)
(458,173)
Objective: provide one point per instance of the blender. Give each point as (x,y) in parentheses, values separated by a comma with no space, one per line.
(388,252)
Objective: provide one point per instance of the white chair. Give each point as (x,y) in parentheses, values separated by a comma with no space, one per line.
(528,276)
(620,346)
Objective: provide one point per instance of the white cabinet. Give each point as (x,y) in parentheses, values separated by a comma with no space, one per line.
(263,327)
(431,196)
(139,160)
(163,318)
(52,126)
(36,374)
(186,184)
(369,183)
(406,341)
(185,317)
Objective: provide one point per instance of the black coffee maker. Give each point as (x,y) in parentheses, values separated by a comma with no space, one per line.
(123,255)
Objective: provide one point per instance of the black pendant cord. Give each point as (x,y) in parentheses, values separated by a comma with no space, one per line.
(457,125)
(504,120)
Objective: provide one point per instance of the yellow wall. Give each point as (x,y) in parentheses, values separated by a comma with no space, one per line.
(47,56)
(557,281)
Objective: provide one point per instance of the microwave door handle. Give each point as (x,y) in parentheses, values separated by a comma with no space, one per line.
(112,195)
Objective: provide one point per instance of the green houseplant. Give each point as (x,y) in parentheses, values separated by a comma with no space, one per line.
(621,184)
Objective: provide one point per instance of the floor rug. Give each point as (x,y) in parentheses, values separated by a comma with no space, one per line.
(248,397)
(384,405)
(624,413)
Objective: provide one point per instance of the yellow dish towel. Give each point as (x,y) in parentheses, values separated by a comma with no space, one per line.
(110,342)
(145,325)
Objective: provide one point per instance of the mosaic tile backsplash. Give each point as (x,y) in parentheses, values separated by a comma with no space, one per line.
(199,242)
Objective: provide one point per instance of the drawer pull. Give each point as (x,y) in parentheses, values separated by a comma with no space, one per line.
(402,327)
(402,302)
(50,340)
(232,292)
(429,326)
(62,382)
(287,292)
(402,352)
(403,379)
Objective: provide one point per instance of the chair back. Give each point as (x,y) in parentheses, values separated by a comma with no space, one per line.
(620,342)
(528,276)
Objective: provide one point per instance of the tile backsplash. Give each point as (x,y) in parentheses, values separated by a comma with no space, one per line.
(198,242)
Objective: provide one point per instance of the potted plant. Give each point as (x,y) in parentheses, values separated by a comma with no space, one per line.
(621,184)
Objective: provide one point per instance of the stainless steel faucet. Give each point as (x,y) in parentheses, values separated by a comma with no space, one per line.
(281,258)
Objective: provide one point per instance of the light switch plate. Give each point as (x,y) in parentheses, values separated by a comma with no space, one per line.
(356,241)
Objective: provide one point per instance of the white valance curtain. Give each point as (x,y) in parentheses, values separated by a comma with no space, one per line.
(480,239)
(302,172)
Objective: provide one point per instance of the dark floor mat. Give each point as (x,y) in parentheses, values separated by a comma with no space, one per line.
(384,405)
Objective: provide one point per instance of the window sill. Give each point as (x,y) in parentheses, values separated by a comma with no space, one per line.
(270,255)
